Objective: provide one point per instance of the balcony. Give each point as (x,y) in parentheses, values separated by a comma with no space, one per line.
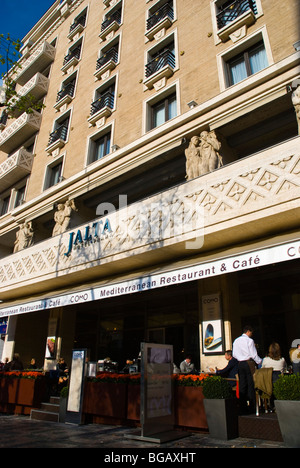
(15,167)
(234,16)
(40,59)
(162,66)
(37,87)
(19,131)
(71,59)
(65,95)
(110,24)
(102,107)
(161,19)
(57,138)
(244,200)
(107,62)
(77,27)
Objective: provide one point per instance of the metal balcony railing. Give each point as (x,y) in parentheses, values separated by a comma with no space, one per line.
(115,16)
(105,100)
(161,60)
(111,54)
(163,12)
(72,54)
(234,10)
(60,133)
(78,21)
(67,90)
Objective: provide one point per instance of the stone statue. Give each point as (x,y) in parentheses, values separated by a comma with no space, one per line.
(193,161)
(62,217)
(24,237)
(296,102)
(202,155)
(209,152)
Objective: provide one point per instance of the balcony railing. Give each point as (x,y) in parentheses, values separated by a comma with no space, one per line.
(60,133)
(161,60)
(14,168)
(20,130)
(78,22)
(105,100)
(115,16)
(110,55)
(234,10)
(67,90)
(163,12)
(72,54)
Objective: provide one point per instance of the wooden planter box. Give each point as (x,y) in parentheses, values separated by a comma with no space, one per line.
(133,402)
(189,407)
(105,399)
(19,395)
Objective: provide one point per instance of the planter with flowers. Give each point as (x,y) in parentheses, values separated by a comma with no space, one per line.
(221,408)
(20,391)
(188,395)
(287,404)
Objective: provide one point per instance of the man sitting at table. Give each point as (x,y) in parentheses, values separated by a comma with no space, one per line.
(230,371)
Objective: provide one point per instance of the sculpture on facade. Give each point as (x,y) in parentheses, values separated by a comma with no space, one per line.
(24,237)
(62,216)
(202,155)
(296,101)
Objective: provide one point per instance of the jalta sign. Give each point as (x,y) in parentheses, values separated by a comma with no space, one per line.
(89,234)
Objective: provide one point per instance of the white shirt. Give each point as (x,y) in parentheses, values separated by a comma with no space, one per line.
(244,349)
(278,365)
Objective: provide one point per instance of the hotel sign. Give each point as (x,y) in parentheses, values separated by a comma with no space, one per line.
(244,261)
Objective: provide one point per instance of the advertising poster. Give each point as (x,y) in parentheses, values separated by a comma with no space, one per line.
(212,324)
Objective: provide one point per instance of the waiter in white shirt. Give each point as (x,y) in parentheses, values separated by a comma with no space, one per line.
(245,352)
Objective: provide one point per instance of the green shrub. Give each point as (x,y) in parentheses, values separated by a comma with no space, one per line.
(215,387)
(287,387)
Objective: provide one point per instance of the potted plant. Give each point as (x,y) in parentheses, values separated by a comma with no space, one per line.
(221,408)
(287,404)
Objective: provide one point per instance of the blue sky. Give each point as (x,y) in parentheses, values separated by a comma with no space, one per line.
(17,17)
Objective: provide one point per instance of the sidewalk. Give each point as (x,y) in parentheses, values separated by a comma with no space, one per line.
(23,432)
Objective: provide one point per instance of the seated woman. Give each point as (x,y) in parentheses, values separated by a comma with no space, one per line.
(275,360)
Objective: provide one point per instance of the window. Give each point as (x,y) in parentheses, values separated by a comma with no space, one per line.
(54,175)
(4,206)
(230,10)
(20,196)
(247,63)
(104,98)
(160,58)
(163,110)
(60,132)
(100,147)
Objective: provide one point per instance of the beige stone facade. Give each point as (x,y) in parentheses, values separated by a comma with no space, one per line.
(125,87)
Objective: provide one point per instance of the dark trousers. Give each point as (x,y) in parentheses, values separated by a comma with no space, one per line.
(246,386)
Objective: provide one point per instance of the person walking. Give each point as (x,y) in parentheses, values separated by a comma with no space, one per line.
(245,352)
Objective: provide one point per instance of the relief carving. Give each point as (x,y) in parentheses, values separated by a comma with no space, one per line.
(202,155)
(62,216)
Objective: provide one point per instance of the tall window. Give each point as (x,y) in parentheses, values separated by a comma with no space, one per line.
(4,206)
(20,196)
(100,147)
(247,63)
(54,175)
(164,110)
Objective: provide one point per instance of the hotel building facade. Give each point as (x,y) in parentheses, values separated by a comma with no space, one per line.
(156,194)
